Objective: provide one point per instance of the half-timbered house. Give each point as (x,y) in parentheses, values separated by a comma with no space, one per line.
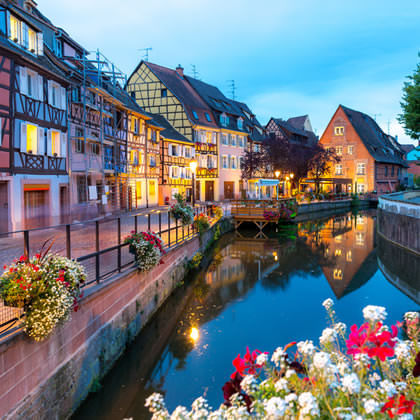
(176,153)
(166,92)
(34,133)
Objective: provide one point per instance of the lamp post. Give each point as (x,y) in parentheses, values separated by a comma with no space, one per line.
(291,182)
(287,185)
(277,174)
(193,167)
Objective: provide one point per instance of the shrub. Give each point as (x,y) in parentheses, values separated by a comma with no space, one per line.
(47,287)
(368,374)
(181,210)
(147,249)
(217,211)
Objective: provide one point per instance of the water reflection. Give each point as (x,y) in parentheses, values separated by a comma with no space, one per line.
(260,293)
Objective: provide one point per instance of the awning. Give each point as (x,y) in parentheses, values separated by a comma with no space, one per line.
(273,182)
(36,187)
(328,181)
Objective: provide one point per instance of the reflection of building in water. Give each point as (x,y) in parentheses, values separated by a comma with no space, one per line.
(349,241)
(400,267)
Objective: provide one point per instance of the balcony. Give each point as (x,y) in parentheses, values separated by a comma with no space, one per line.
(205,148)
(207,173)
(30,163)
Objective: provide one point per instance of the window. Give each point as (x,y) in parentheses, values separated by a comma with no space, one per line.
(339,150)
(75,94)
(240,123)
(152,188)
(173,150)
(256,147)
(174,172)
(224,120)
(164,93)
(361,169)
(207,116)
(195,115)
(81,188)
(360,238)
(30,86)
(240,141)
(361,188)
(233,140)
(15,33)
(349,256)
(350,150)
(187,151)
(54,138)
(392,170)
(233,162)
(152,161)
(241,162)
(224,162)
(95,148)
(338,131)
(386,170)
(59,48)
(224,139)
(339,169)
(56,95)
(32,40)
(338,274)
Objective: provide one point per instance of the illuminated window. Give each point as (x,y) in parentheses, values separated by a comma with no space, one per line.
(32,139)
(152,188)
(337,252)
(350,150)
(338,131)
(338,238)
(349,256)
(15,33)
(339,169)
(360,238)
(361,188)
(32,40)
(138,189)
(361,168)
(360,220)
(339,150)
(338,274)
(55,143)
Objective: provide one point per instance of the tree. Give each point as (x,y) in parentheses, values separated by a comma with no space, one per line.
(410,118)
(321,163)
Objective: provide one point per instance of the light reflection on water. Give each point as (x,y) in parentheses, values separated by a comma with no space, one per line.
(256,293)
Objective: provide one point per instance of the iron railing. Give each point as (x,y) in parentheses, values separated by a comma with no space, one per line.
(97,244)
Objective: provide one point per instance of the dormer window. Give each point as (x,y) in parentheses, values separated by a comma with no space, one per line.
(207,116)
(23,35)
(164,93)
(59,48)
(339,131)
(240,123)
(195,115)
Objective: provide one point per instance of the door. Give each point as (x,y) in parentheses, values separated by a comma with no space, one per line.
(64,204)
(197,191)
(4,208)
(36,208)
(229,193)
(209,190)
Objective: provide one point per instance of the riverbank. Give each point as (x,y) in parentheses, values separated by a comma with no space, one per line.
(50,379)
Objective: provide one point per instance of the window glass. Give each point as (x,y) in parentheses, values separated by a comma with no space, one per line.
(195,115)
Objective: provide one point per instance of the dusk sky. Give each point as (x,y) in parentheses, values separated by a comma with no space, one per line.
(287,57)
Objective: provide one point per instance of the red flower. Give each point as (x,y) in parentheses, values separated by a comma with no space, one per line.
(396,407)
(22,258)
(4,267)
(247,363)
(38,256)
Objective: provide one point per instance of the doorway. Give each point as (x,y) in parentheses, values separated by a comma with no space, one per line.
(4,208)
(36,208)
(228,188)
(209,190)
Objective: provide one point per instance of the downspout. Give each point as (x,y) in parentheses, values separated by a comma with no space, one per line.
(145,168)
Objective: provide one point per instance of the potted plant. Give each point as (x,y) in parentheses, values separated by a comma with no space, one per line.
(47,287)
(147,249)
(201,223)
(181,210)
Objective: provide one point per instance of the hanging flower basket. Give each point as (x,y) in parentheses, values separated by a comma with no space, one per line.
(181,211)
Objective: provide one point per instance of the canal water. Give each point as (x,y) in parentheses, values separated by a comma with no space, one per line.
(261,294)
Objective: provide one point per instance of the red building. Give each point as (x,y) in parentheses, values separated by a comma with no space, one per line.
(370,159)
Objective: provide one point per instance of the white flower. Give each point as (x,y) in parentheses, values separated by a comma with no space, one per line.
(155,402)
(278,356)
(328,304)
(275,407)
(328,336)
(340,328)
(249,384)
(306,348)
(406,416)
(401,386)
(402,351)
(180,413)
(290,373)
(281,385)
(411,316)
(388,387)
(261,359)
(308,404)
(361,360)
(291,397)
(374,313)
(351,383)
(321,360)
(343,368)
(371,406)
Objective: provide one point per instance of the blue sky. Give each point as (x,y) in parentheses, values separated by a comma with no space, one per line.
(287,57)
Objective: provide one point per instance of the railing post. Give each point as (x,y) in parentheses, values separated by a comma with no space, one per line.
(148,222)
(176,231)
(97,250)
(160,224)
(136,223)
(26,243)
(119,243)
(68,242)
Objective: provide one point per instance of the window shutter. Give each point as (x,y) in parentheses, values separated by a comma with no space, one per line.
(63,145)
(23,137)
(41,141)
(23,80)
(25,35)
(40,43)
(40,85)
(9,32)
(63,98)
(193,152)
(49,143)
(229,162)
(50,101)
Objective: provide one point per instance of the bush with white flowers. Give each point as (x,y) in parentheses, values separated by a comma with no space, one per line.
(369,374)
(47,287)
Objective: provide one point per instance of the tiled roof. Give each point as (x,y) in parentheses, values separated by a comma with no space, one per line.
(169,132)
(298,122)
(289,127)
(375,140)
(407,147)
(185,93)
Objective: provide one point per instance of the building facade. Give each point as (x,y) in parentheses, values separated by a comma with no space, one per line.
(370,160)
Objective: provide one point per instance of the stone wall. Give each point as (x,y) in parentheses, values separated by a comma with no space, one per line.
(49,380)
(399,219)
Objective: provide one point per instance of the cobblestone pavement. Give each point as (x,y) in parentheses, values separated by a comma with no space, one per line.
(83,242)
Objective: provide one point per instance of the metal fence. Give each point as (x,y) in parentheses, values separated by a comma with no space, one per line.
(97,244)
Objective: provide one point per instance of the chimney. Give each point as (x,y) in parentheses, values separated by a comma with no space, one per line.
(180,70)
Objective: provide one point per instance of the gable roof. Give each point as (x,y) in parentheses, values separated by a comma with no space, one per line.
(286,126)
(375,140)
(185,93)
(169,132)
(407,147)
(298,122)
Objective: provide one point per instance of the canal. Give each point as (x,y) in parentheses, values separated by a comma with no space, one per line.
(256,293)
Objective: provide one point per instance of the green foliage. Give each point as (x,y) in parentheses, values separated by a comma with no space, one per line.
(181,210)
(201,223)
(410,118)
(196,260)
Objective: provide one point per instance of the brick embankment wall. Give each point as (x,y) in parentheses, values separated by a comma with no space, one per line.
(49,380)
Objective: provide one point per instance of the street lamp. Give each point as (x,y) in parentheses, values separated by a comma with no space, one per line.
(193,167)
(277,174)
(291,182)
(287,185)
